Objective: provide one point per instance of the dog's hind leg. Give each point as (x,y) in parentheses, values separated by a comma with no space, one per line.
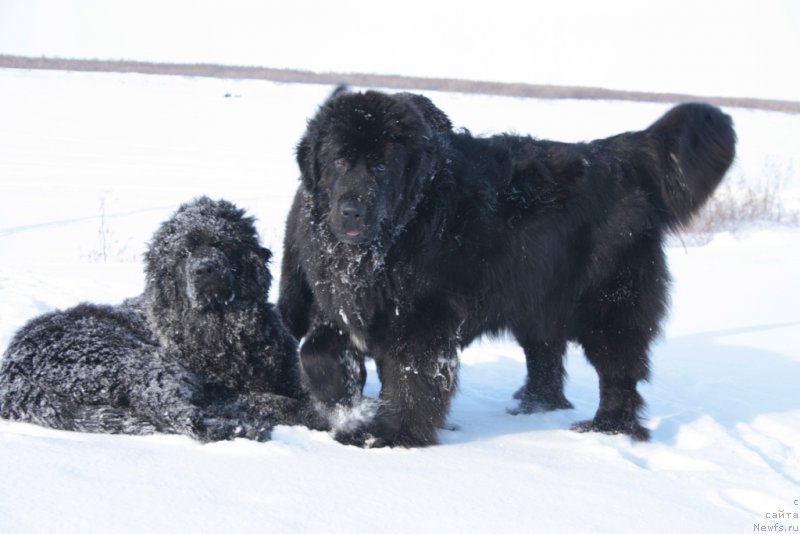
(620,364)
(176,400)
(109,420)
(544,386)
(621,320)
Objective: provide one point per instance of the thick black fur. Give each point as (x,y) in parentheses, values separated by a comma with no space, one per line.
(200,353)
(407,240)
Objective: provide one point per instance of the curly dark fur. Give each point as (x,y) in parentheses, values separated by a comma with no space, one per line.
(200,353)
(407,240)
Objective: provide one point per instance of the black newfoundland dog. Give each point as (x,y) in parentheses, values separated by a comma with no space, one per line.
(200,353)
(407,240)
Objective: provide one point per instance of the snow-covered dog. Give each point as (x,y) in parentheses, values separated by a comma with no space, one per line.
(200,353)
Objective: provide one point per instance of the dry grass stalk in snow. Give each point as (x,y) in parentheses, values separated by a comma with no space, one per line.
(740,201)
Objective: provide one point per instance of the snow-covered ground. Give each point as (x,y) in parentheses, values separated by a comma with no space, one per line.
(90,164)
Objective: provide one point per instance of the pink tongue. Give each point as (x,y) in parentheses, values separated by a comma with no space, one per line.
(353,233)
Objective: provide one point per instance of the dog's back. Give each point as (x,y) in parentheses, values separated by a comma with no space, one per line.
(64,370)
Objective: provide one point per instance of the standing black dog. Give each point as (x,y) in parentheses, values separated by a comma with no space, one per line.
(200,353)
(407,240)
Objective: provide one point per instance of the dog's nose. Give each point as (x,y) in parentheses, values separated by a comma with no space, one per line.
(205,267)
(351,211)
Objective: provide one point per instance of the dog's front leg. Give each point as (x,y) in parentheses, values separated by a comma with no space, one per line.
(419,378)
(333,370)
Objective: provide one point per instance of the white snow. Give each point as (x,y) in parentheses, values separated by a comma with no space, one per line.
(90,164)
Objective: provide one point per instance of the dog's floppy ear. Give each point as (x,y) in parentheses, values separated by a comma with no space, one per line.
(307,147)
(257,275)
(307,159)
(341,88)
(266,254)
(435,117)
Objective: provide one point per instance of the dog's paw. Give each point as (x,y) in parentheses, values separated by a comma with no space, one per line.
(209,429)
(607,426)
(255,432)
(530,402)
(360,438)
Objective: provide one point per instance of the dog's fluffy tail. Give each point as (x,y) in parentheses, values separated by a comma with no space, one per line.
(695,145)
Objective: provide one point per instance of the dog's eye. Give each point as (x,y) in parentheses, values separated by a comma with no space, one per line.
(340,164)
(379,168)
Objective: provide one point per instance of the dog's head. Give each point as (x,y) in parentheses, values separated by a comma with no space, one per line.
(365,159)
(207,257)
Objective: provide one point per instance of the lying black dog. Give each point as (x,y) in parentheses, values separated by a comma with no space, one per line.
(406,241)
(200,353)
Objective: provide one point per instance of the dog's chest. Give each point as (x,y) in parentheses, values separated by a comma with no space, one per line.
(350,289)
